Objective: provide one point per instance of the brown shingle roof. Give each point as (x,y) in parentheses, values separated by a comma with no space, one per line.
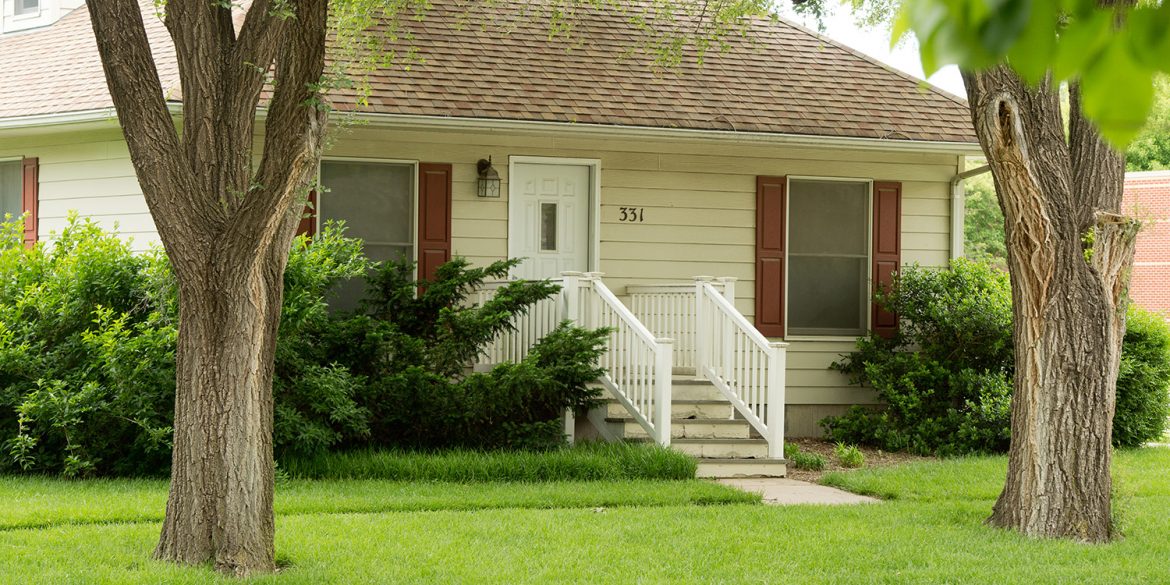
(781,78)
(57,69)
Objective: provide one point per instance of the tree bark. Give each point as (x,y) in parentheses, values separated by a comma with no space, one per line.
(227,228)
(1069,310)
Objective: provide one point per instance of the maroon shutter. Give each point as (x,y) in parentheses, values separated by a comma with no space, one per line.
(308,224)
(771,206)
(887,249)
(434,217)
(30,180)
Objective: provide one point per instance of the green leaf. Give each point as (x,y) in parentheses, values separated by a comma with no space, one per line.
(1001,30)
(1150,36)
(1118,94)
(901,26)
(1031,56)
(1081,42)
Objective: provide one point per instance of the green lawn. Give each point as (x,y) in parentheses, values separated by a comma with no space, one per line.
(929,531)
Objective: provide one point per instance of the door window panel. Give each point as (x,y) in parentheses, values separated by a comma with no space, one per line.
(548,227)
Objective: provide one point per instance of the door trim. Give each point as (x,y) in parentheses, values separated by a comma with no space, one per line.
(594,220)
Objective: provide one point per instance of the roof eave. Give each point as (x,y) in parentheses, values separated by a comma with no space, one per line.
(106,117)
(101,117)
(607,130)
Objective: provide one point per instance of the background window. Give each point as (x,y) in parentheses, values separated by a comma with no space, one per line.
(376,202)
(11,183)
(828,257)
(27,7)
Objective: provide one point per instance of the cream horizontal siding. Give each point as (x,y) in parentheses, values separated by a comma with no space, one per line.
(810,381)
(89,173)
(698,199)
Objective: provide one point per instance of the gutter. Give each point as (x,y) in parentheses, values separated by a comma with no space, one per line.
(44,120)
(959,208)
(611,131)
(489,125)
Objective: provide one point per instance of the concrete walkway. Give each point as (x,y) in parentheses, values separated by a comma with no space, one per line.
(784,492)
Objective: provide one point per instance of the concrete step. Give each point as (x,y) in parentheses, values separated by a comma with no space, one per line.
(692,389)
(729,468)
(680,409)
(686,428)
(722,448)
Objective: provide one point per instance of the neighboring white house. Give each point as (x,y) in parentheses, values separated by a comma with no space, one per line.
(800,168)
(21,15)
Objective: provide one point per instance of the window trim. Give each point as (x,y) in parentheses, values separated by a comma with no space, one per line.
(866,325)
(390,161)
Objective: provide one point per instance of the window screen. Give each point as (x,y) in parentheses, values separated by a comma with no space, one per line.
(11,183)
(27,7)
(828,257)
(376,202)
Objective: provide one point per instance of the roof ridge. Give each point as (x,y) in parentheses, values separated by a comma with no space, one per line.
(840,45)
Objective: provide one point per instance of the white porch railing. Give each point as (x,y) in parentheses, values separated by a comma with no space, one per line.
(638,365)
(540,320)
(669,309)
(723,347)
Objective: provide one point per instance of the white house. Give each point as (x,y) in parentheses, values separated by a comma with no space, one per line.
(798,170)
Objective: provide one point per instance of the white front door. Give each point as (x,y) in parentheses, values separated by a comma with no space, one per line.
(548,223)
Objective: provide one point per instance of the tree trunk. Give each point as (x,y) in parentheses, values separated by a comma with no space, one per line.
(220,503)
(226,224)
(1069,310)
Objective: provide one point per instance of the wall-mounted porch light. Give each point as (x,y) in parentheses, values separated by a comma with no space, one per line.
(489,180)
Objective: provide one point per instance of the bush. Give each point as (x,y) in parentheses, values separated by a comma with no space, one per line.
(87,357)
(87,336)
(946,376)
(414,349)
(1143,382)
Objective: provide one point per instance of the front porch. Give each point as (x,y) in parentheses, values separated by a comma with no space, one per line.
(684,368)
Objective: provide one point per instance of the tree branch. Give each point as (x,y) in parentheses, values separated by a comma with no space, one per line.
(1093,191)
(203,35)
(294,129)
(261,36)
(137,93)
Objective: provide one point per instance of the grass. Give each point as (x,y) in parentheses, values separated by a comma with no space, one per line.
(929,531)
(583,462)
(41,502)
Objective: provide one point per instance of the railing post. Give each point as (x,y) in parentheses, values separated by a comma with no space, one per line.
(570,426)
(592,307)
(571,293)
(728,288)
(777,362)
(703,331)
(663,364)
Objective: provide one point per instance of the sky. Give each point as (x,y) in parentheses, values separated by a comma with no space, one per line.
(876,43)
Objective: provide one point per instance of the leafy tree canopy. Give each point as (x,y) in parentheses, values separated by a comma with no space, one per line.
(1114,51)
(1151,150)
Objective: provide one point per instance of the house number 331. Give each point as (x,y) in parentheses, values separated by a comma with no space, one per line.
(632,214)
